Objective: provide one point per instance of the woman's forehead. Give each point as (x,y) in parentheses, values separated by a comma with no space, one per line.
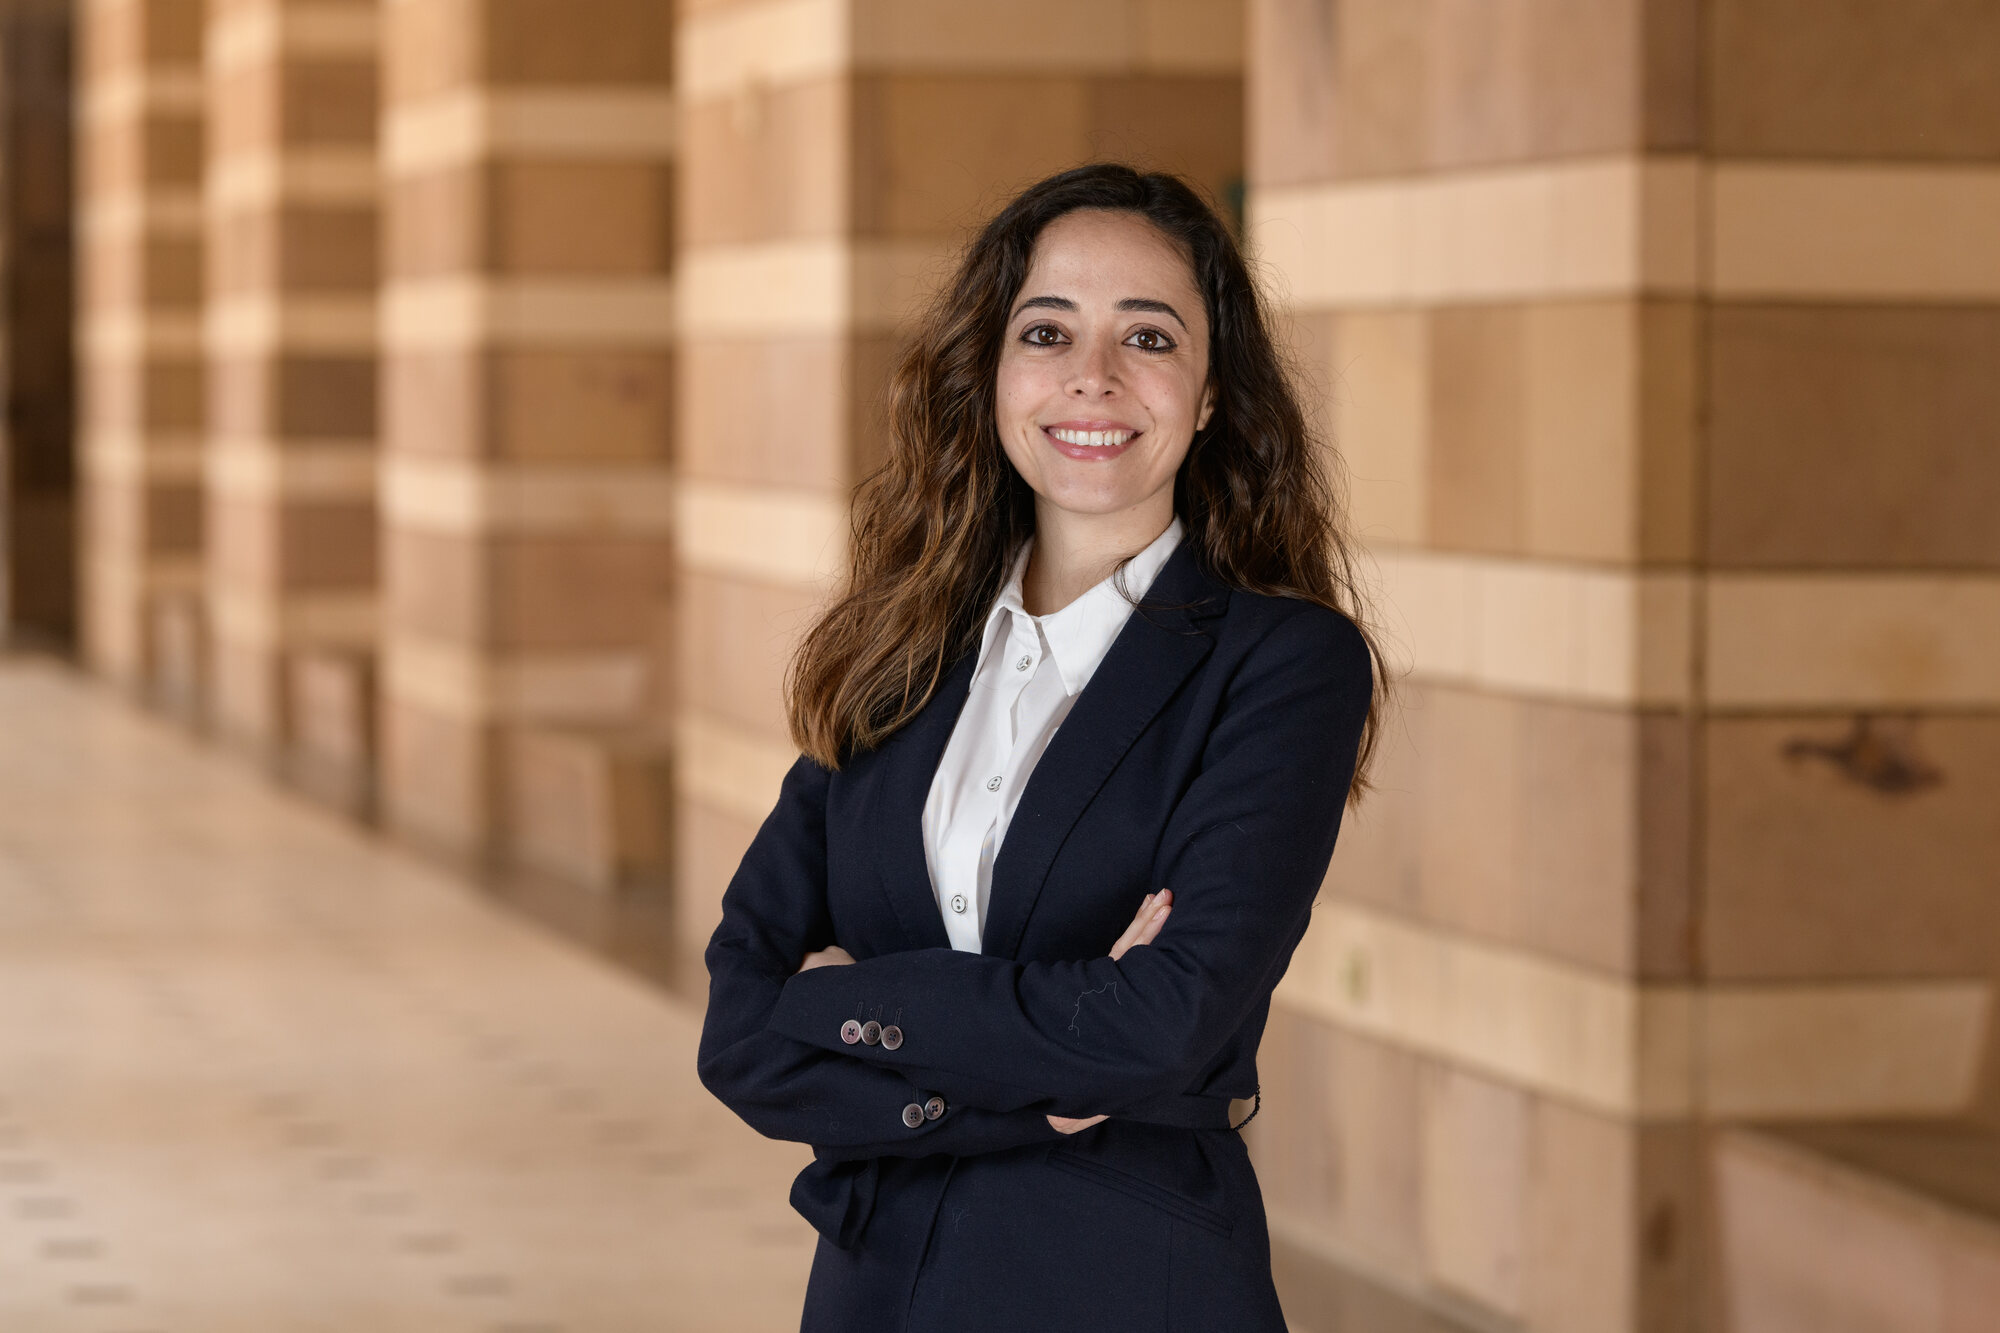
(1097,252)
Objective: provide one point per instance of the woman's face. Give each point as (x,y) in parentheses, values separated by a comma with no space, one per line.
(1104,367)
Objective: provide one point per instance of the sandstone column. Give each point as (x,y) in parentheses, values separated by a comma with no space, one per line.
(834,152)
(290,339)
(1658,340)
(139,131)
(37,448)
(527,323)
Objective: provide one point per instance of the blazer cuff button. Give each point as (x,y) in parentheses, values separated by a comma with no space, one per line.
(871,1033)
(934,1108)
(850,1031)
(892,1038)
(913,1116)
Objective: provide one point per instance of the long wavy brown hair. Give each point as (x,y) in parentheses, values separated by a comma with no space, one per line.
(933,527)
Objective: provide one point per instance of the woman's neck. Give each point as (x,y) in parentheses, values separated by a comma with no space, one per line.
(1073,553)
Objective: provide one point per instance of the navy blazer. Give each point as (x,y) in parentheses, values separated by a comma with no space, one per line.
(1211,754)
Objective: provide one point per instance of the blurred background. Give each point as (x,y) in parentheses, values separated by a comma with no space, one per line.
(428,424)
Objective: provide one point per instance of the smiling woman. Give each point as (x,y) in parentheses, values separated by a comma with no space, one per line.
(1077,737)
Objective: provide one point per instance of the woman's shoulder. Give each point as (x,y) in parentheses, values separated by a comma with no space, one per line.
(1266,623)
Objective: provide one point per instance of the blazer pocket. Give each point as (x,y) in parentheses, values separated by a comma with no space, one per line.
(1166,1200)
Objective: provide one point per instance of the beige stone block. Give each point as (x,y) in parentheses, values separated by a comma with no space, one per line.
(733,640)
(325,397)
(1669,424)
(1836,847)
(171,147)
(590,807)
(328,544)
(1906,232)
(466,498)
(1335,90)
(780,536)
(1337,1141)
(173,518)
(579,592)
(568,42)
(1580,463)
(328,249)
(1191,125)
(728,767)
(1477,414)
(1833,428)
(708,846)
(1381,398)
(176,654)
(333,727)
(608,405)
(936,155)
(438,779)
(433,404)
(1580,1248)
(1870,642)
(247,694)
(1475,1146)
(429,47)
(766,411)
(1811,1244)
(435,585)
(436,222)
(1911,81)
(773,162)
(328,102)
(595,218)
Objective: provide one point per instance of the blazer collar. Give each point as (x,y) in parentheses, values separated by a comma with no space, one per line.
(1159,647)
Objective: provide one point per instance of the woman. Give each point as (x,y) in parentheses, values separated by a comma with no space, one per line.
(1004,949)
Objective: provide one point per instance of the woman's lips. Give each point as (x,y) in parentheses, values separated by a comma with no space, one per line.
(1090,453)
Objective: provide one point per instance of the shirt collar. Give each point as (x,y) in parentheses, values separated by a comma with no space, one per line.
(1080,634)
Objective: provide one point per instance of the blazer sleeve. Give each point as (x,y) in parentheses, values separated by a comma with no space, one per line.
(773,913)
(1244,852)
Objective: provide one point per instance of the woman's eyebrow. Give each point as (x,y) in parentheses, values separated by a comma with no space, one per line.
(1144,303)
(1152,307)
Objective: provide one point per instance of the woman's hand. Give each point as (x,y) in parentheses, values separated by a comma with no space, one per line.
(832,955)
(1145,928)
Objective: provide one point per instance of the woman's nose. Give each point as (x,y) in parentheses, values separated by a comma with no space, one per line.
(1095,371)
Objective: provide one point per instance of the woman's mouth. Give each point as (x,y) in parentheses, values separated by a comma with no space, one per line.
(1090,445)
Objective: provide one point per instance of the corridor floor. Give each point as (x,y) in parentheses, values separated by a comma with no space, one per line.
(261,1072)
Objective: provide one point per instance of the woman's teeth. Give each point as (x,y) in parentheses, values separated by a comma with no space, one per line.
(1094,438)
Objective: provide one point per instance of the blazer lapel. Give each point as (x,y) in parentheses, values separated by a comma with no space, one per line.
(1154,653)
(907,763)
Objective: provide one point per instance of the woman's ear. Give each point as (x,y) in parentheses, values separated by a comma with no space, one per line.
(1207,408)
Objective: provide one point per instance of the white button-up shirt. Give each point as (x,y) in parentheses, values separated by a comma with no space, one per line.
(1029,671)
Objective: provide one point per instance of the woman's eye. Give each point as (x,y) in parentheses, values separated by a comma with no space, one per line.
(1152,340)
(1035,334)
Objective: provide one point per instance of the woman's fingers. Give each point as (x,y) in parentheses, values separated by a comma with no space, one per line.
(830,956)
(1065,1125)
(1145,927)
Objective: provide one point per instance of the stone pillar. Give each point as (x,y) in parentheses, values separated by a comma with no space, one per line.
(527,326)
(834,152)
(37,448)
(1658,341)
(139,133)
(290,340)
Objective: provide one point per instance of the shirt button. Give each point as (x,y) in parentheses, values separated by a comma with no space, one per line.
(1022,665)
(871,1033)
(913,1116)
(958,903)
(892,1038)
(993,783)
(934,1108)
